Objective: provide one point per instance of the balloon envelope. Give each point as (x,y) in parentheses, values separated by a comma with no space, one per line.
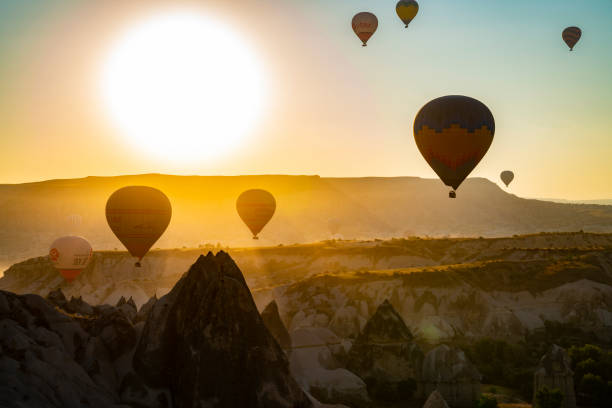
(571,35)
(407,10)
(70,255)
(138,216)
(364,25)
(507,176)
(453,133)
(256,207)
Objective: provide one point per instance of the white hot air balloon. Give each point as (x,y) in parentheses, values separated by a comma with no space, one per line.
(70,255)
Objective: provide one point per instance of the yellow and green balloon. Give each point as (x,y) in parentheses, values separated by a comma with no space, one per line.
(407,10)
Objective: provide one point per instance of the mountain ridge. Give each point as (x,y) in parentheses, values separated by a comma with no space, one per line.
(33,214)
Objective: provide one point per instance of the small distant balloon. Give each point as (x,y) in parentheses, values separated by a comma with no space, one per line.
(256,207)
(453,133)
(571,35)
(407,10)
(138,216)
(70,255)
(364,25)
(507,176)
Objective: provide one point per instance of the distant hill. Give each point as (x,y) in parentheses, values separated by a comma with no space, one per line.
(597,202)
(33,214)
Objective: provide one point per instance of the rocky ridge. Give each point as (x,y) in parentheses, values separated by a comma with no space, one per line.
(385,356)
(275,325)
(203,344)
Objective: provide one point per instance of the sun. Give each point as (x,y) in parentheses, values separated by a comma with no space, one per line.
(182,86)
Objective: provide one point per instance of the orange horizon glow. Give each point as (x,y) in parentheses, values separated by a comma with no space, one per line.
(332,107)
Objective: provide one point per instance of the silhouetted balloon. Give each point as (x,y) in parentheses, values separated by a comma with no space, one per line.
(571,35)
(453,133)
(507,176)
(364,25)
(70,255)
(407,10)
(256,208)
(138,215)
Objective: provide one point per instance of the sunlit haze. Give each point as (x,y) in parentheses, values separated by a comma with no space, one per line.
(182,86)
(306,203)
(284,87)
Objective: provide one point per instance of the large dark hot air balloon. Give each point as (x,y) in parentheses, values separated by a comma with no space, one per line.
(70,255)
(364,25)
(571,35)
(256,208)
(138,215)
(407,10)
(453,133)
(506,176)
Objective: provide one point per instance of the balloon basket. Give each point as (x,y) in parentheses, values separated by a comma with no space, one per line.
(452,194)
(138,264)
(255,237)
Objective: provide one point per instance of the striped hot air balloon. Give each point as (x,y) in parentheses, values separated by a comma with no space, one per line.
(364,25)
(256,207)
(453,133)
(138,215)
(571,35)
(407,10)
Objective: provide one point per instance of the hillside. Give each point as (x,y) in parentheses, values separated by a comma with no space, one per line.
(33,214)
(442,288)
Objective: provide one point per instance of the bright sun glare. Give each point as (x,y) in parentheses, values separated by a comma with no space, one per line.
(183,86)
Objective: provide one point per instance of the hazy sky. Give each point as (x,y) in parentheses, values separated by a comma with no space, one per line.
(331,107)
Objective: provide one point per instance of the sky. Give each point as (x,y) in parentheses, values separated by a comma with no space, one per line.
(329,106)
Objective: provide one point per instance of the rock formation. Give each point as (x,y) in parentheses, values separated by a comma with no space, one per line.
(447,370)
(442,288)
(435,400)
(206,343)
(145,309)
(385,356)
(555,371)
(78,306)
(315,366)
(128,307)
(203,344)
(47,359)
(275,325)
(57,298)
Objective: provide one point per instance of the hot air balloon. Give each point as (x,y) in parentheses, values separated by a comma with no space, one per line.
(256,207)
(407,10)
(571,35)
(364,25)
(138,216)
(453,133)
(506,176)
(70,255)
